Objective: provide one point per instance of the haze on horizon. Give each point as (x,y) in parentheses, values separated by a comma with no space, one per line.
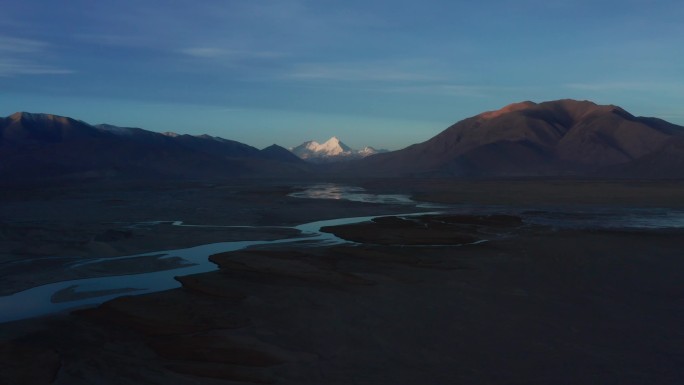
(385,74)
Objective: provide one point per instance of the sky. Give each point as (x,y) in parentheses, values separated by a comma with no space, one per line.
(381,73)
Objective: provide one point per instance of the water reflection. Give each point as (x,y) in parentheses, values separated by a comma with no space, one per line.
(90,291)
(564,216)
(354,194)
(627,218)
(60,296)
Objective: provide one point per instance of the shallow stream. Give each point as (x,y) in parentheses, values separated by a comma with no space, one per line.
(60,296)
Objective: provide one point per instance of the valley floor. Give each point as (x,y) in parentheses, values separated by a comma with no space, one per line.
(508,302)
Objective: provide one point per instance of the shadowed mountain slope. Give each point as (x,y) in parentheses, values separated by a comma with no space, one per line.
(39,146)
(564,137)
(282,154)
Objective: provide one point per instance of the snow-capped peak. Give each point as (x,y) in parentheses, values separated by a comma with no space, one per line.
(368,150)
(331,150)
(310,145)
(333,146)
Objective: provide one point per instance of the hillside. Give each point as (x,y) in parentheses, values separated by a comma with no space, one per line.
(564,137)
(40,146)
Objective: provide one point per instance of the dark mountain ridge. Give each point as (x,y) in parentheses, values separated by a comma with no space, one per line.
(23,129)
(37,146)
(282,154)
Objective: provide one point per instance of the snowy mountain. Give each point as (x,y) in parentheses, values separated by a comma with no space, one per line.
(368,150)
(313,149)
(333,150)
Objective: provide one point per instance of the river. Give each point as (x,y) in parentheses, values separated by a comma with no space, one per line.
(65,295)
(71,294)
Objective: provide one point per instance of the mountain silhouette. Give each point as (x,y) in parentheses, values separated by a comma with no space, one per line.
(556,138)
(39,146)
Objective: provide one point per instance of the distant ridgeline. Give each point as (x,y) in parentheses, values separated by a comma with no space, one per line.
(557,138)
(37,146)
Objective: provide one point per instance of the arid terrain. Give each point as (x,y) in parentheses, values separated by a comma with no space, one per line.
(299,192)
(523,281)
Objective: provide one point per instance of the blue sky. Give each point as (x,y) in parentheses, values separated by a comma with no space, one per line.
(380,73)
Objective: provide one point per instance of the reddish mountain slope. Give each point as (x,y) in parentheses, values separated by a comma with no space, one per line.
(526,139)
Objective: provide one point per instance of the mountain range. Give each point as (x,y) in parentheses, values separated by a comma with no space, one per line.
(557,138)
(37,146)
(332,150)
